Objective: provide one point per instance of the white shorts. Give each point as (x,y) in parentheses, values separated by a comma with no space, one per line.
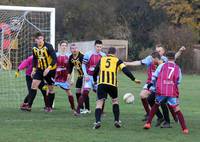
(90,84)
(151,89)
(63,85)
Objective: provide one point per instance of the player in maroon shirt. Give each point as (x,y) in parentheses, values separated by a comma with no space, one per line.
(62,72)
(167,77)
(90,61)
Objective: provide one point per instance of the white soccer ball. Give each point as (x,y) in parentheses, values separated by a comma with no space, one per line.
(128,98)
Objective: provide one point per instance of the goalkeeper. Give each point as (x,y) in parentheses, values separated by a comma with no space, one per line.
(27,64)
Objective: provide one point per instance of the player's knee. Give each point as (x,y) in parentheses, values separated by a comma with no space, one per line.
(69,93)
(115,101)
(144,94)
(35,84)
(78,90)
(177,108)
(99,103)
(86,92)
(50,89)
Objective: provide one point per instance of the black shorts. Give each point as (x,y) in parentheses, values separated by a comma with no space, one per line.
(103,90)
(49,78)
(79,82)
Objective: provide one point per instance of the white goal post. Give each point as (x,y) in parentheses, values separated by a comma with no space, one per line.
(37,9)
(18,24)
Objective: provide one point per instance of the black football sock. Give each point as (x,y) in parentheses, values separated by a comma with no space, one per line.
(77,98)
(116,112)
(87,102)
(31,97)
(51,97)
(98,114)
(165,112)
(26,99)
(151,101)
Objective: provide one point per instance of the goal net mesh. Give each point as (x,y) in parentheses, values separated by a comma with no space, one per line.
(16,39)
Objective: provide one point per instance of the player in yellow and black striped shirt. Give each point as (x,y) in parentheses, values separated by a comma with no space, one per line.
(75,61)
(44,68)
(107,70)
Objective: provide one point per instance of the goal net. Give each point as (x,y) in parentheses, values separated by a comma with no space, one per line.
(17,26)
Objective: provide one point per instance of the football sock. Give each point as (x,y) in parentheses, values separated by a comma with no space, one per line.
(116,112)
(151,101)
(146,105)
(87,102)
(82,99)
(165,112)
(51,97)
(71,101)
(44,93)
(181,119)
(77,98)
(31,97)
(103,106)
(173,113)
(26,99)
(152,112)
(98,114)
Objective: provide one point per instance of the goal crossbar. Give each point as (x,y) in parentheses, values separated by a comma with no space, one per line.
(36,9)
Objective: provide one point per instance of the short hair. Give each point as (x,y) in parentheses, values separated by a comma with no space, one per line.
(37,34)
(170,55)
(63,41)
(160,46)
(112,50)
(98,42)
(73,45)
(155,54)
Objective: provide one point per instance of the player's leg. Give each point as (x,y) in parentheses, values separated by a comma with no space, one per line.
(33,92)
(113,92)
(98,112)
(87,85)
(143,95)
(51,94)
(37,77)
(28,84)
(43,88)
(79,83)
(154,109)
(173,113)
(165,111)
(70,99)
(101,95)
(173,102)
(151,100)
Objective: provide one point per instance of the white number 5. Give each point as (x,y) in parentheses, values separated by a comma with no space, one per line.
(171,71)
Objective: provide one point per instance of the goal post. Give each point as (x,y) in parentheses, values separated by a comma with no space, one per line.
(17,26)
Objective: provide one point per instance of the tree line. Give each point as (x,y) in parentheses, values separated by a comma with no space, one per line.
(143,23)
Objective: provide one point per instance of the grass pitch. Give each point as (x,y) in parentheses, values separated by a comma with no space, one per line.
(61,125)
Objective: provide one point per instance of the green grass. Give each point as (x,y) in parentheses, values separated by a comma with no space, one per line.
(61,125)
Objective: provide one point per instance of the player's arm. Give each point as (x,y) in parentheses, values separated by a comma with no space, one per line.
(96,72)
(134,63)
(84,63)
(146,61)
(24,64)
(52,53)
(180,51)
(70,69)
(156,73)
(71,65)
(125,70)
(180,77)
